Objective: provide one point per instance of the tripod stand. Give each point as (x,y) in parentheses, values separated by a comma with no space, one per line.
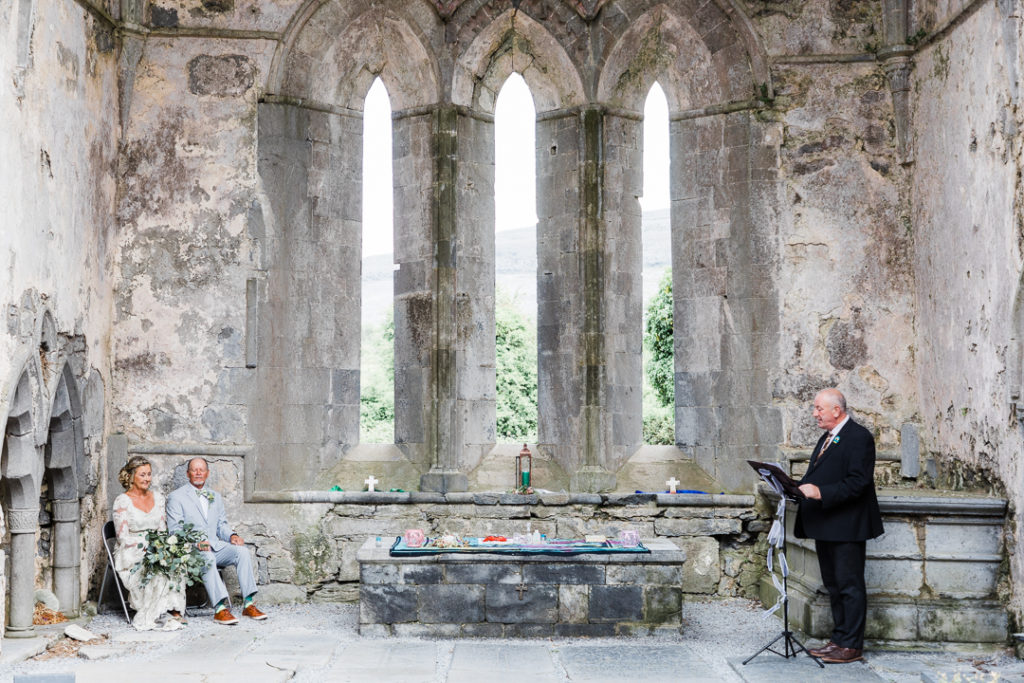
(791,646)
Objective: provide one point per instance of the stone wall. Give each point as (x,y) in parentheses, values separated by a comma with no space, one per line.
(967,208)
(59,104)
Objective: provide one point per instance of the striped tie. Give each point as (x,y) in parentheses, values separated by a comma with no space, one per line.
(824,446)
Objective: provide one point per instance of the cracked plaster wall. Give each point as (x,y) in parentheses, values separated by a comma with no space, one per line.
(58,102)
(966,201)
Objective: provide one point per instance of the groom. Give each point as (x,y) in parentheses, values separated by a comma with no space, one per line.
(203,508)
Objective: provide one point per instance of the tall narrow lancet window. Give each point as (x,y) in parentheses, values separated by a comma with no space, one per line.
(658,361)
(515,298)
(377,352)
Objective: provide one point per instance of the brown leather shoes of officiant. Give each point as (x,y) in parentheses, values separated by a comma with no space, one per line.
(823,650)
(842,655)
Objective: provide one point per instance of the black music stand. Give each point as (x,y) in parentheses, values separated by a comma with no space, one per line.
(789,490)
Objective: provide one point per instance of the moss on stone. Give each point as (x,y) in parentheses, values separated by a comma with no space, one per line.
(311,555)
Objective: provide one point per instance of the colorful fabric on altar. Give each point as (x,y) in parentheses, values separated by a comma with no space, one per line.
(551,547)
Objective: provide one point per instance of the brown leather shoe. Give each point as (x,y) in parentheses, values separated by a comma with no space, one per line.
(253,613)
(823,650)
(225,617)
(843,655)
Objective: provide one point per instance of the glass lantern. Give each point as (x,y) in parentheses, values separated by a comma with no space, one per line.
(524,470)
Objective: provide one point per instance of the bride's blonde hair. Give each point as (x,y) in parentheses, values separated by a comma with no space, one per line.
(127,472)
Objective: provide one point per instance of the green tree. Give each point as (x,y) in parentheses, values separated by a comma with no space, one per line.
(659,367)
(377,383)
(516,347)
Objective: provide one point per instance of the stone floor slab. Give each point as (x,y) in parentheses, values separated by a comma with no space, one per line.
(648,663)
(372,662)
(770,668)
(291,648)
(502,662)
(19,649)
(215,672)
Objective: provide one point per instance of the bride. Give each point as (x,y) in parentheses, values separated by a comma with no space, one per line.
(136,511)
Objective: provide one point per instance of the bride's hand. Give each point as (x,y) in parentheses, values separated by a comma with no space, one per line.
(203,545)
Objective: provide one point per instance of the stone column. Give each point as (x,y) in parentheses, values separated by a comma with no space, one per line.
(623,285)
(22,523)
(895,58)
(412,135)
(445,446)
(66,533)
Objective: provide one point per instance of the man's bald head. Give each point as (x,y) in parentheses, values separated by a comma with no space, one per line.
(829,408)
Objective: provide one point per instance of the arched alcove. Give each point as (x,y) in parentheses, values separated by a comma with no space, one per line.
(64,457)
(22,471)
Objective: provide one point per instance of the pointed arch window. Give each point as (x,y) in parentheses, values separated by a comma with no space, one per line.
(658,360)
(515,299)
(377,352)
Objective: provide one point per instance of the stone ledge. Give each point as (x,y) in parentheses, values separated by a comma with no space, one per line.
(547,498)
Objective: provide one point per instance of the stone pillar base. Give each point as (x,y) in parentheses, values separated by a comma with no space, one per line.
(592,479)
(444,481)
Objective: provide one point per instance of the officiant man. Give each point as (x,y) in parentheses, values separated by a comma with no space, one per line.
(202,507)
(840,513)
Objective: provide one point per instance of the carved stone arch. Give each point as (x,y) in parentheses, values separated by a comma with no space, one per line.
(21,467)
(332,51)
(48,346)
(698,61)
(65,468)
(518,44)
(65,447)
(21,470)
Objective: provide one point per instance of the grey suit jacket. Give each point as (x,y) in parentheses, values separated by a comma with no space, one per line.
(183,507)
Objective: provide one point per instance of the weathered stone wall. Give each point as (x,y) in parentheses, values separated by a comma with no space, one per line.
(59,105)
(967,212)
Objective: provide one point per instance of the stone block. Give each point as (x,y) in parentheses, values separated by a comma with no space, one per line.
(962,540)
(962,579)
(663,604)
(910,451)
(702,569)
(891,621)
(958,623)
(371,574)
(901,577)
(445,604)
(697,527)
(388,604)
(616,603)
(585,630)
(424,574)
(442,630)
(483,630)
(529,630)
(375,630)
(564,573)
(667,575)
(534,605)
(281,594)
(573,604)
(483,573)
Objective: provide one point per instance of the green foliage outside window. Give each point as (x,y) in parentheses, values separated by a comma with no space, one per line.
(659,367)
(516,346)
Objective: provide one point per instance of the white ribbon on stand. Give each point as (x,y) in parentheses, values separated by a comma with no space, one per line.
(776,539)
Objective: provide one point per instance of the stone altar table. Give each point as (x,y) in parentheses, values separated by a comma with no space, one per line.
(491,595)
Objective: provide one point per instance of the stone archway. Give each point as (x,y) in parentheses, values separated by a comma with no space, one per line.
(22,471)
(64,469)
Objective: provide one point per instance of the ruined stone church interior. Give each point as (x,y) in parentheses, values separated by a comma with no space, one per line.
(181,251)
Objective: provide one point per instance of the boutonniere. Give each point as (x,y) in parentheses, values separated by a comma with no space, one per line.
(835,439)
(208,495)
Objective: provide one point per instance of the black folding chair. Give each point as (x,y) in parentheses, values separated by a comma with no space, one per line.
(109,541)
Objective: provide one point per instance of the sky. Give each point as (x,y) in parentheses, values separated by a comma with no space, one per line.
(515,173)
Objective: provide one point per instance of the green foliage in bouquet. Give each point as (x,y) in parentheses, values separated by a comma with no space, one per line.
(173,555)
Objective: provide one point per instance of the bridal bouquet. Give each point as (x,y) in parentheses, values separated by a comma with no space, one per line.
(173,555)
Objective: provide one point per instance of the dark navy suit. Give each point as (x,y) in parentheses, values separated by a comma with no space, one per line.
(840,524)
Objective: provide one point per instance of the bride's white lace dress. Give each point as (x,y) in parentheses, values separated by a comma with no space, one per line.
(158,595)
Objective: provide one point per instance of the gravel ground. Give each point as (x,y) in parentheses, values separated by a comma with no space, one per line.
(713,630)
